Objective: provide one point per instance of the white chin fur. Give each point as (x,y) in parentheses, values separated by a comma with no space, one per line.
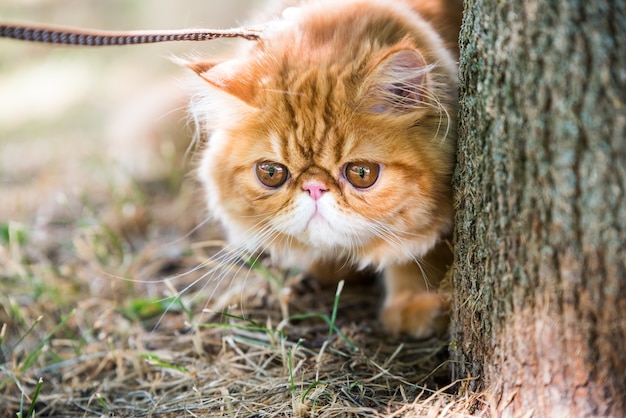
(321,226)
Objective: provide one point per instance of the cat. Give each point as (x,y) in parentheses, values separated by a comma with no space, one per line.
(331,146)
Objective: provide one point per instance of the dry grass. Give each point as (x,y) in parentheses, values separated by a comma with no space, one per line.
(103,308)
(103,344)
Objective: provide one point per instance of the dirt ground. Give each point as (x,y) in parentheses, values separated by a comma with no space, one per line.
(115,299)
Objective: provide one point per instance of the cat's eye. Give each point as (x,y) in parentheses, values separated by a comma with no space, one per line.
(271,174)
(362,174)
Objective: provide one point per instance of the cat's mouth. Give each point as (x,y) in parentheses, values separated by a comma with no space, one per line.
(318,224)
(316,219)
(316,212)
(325,229)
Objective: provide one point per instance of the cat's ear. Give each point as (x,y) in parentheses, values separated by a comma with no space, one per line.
(397,84)
(200,67)
(226,76)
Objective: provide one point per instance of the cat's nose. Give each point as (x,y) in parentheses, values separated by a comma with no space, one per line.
(315,189)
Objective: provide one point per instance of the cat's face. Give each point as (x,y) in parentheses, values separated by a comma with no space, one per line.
(330,146)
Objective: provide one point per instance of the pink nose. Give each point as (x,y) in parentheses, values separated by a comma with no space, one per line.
(315,189)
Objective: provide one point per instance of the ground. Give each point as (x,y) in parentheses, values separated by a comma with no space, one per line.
(112,302)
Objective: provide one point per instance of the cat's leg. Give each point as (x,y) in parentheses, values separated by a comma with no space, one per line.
(414,304)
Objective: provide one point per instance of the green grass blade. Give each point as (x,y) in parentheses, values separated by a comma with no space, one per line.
(31,410)
(333,316)
(34,355)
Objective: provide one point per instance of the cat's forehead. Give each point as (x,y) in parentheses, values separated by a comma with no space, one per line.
(304,138)
(309,110)
(313,116)
(304,133)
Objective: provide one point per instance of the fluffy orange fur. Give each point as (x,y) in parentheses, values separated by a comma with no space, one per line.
(332,144)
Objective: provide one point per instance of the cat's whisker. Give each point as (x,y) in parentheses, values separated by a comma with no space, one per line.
(429,266)
(436,104)
(443,109)
(267,215)
(393,239)
(165,245)
(249,258)
(195,121)
(389,238)
(196,228)
(427,282)
(225,257)
(396,230)
(176,297)
(427,96)
(355,247)
(238,258)
(170,112)
(162,280)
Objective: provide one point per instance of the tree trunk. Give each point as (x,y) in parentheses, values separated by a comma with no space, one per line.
(540,279)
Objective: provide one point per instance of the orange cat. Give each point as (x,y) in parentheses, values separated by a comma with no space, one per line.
(332,144)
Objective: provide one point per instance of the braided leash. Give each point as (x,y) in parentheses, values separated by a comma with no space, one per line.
(88,37)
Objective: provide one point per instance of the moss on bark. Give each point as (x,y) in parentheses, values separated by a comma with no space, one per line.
(540,275)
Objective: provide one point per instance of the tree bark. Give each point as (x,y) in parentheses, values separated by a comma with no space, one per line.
(540,268)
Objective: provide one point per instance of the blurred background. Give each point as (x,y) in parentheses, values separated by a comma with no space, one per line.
(98,205)
(76,120)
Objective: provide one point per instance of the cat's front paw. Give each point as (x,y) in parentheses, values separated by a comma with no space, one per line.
(420,315)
